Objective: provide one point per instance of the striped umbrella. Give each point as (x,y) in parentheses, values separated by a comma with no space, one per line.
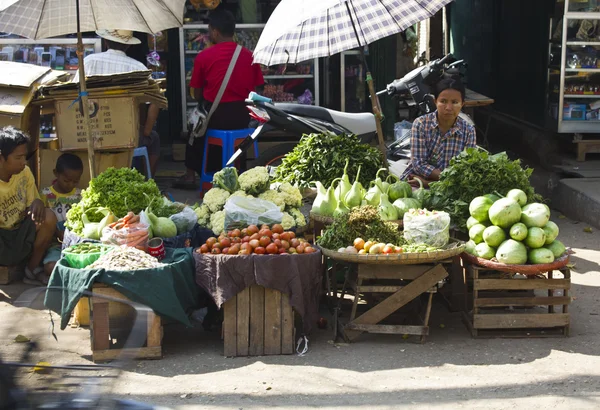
(300,30)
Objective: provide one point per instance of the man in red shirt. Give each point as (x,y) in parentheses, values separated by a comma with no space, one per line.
(209,71)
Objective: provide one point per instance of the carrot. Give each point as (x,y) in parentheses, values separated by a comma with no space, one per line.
(134,220)
(127,217)
(112,225)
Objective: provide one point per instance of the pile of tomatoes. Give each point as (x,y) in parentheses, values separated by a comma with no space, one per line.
(254,240)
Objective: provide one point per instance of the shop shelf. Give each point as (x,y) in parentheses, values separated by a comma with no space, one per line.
(583,43)
(597,96)
(283,77)
(582,70)
(568,126)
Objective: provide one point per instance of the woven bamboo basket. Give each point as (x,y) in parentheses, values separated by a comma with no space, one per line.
(528,270)
(454,247)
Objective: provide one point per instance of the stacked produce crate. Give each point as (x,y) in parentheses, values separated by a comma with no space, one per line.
(114,103)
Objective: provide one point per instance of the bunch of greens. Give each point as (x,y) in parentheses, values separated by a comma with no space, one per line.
(165,208)
(473,173)
(322,157)
(362,222)
(120,190)
(227,179)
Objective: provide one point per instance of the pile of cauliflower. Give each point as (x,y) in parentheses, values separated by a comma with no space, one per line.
(253,183)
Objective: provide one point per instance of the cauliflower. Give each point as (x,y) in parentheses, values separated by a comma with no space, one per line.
(255,181)
(203,214)
(242,194)
(291,195)
(217,222)
(215,199)
(287,221)
(298,216)
(275,197)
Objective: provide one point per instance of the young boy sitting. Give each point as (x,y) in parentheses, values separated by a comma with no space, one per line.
(59,197)
(26,225)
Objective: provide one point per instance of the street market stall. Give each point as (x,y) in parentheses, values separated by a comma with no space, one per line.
(397,247)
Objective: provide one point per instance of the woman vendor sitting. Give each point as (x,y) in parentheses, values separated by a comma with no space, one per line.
(439,136)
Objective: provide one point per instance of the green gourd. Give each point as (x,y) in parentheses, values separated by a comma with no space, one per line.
(373,194)
(383,185)
(344,186)
(341,209)
(354,197)
(321,197)
(330,202)
(387,211)
(420,193)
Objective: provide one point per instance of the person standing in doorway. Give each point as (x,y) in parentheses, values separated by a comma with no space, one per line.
(115,61)
(208,73)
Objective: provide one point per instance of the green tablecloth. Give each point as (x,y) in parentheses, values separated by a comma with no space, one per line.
(170,291)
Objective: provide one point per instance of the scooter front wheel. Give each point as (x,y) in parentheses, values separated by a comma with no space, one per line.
(273,156)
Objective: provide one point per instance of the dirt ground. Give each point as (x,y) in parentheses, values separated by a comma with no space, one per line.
(451,370)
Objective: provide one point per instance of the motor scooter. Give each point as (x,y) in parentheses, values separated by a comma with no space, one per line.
(414,89)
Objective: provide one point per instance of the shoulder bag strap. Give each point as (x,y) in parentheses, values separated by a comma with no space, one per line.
(215,103)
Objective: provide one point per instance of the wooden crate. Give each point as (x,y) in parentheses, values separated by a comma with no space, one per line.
(115,123)
(586,147)
(258,321)
(109,328)
(10,274)
(508,307)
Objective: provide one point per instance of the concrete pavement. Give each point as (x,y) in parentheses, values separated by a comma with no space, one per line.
(450,370)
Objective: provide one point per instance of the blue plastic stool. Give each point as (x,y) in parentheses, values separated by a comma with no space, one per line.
(143,152)
(227,140)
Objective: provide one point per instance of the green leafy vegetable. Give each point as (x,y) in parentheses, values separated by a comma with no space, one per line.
(227,179)
(120,190)
(474,173)
(322,157)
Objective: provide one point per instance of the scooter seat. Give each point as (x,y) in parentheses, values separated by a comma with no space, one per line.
(303,110)
(357,123)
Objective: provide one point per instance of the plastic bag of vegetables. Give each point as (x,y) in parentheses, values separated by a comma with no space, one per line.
(184,220)
(127,231)
(428,227)
(241,212)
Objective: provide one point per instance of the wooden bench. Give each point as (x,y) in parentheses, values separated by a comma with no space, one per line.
(258,321)
(586,147)
(111,324)
(504,307)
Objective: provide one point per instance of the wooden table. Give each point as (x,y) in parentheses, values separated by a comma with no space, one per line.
(474,100)
(404,283)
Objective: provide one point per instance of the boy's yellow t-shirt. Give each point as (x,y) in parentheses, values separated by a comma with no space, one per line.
(60,203)
(16,196)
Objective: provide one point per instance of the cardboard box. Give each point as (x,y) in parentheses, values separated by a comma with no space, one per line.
(104,160)
(115,124)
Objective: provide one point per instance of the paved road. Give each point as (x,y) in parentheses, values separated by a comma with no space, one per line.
(377,372)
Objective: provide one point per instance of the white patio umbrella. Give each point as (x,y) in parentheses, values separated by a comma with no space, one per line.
(302,30)
(37,19)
